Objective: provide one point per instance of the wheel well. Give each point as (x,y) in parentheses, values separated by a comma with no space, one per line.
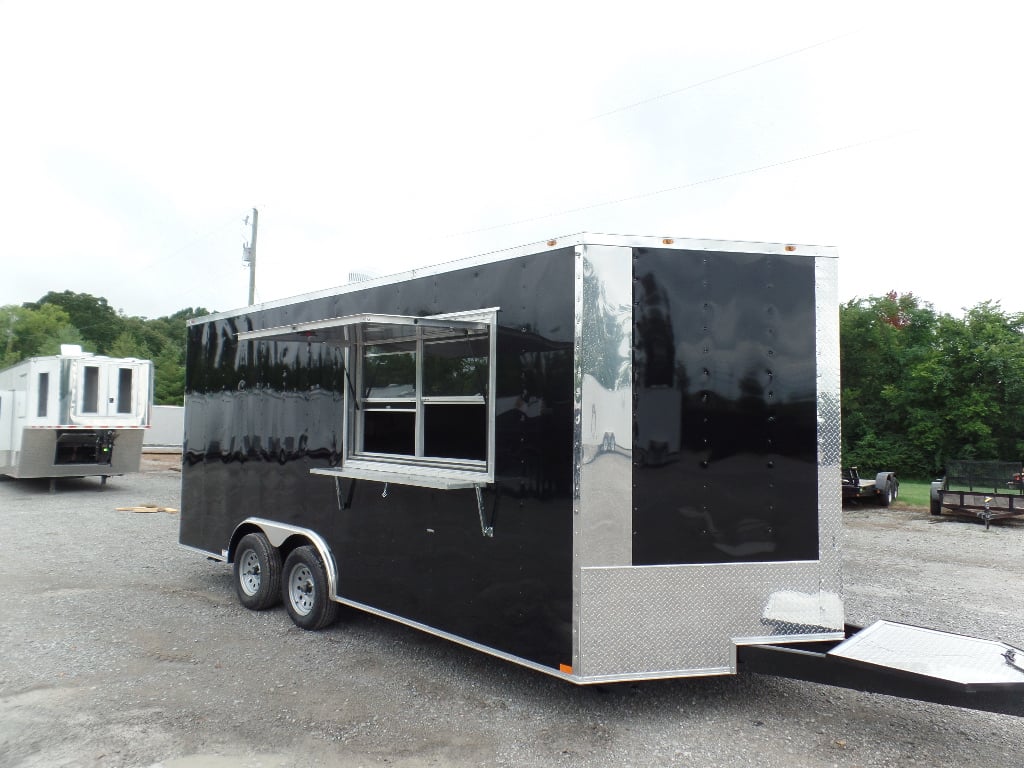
(292,542)
(240,532)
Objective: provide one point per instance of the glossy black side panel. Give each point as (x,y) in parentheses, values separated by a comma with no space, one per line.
(261,414)
(725,412)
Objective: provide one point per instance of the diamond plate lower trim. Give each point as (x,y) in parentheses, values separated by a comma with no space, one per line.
(642,621)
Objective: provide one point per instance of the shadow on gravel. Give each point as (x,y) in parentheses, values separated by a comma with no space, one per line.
(41,485)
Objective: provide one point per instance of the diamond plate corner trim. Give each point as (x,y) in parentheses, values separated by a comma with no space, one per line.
(827,345)
(830,502)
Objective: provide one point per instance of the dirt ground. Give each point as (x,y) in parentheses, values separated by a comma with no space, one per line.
(119,648)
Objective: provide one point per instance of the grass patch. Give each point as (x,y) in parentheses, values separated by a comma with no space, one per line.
(914,493)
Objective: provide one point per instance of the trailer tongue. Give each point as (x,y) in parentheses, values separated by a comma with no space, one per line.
(906,661)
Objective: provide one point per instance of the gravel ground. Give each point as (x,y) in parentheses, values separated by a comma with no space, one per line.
(121,649)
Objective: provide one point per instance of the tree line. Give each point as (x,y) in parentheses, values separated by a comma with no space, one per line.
(918,387)
(41,327)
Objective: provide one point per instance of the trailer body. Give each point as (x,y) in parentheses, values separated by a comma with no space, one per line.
(605,458)
(74,414)
(654,433)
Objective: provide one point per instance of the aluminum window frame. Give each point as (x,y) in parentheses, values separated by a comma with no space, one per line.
(416,405)
(419,464)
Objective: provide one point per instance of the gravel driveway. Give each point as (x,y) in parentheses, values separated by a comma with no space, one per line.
(121,649)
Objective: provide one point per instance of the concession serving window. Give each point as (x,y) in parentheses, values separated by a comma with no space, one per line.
(418,404)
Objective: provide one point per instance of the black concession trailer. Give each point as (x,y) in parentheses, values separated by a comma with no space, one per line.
(605,458)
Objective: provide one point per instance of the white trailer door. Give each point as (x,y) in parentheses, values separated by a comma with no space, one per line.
(109,392)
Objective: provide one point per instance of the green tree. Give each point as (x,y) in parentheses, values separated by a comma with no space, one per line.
(127,344)
(169,374)
(95,319)
(29,331)
(170,361)
(967,401)
(919,389)
(65,335)
(882,339)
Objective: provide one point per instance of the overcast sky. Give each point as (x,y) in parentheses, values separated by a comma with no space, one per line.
(378,137)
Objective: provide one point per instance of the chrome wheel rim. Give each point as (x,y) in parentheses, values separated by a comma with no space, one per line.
(301,591)
(249,572)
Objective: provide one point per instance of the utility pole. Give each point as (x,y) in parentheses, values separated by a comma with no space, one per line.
(249,256)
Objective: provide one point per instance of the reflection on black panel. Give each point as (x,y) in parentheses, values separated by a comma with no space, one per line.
(725,443)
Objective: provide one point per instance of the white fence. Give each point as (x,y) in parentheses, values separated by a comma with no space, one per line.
(167,429)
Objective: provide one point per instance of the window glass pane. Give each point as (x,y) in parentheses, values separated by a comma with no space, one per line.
(389,431)
(124,390)
(455,431)
(91,389)
(455,367)
(44,393)
(389,370)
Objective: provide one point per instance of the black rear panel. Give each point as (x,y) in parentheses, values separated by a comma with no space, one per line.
(725,443)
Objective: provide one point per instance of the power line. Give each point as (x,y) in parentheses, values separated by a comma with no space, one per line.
(665,95)
(195,241)
(716,78)
(678,187)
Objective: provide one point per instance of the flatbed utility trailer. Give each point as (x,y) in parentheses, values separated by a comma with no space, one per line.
(883,490)
(75,414)
(964,490)
(604,458)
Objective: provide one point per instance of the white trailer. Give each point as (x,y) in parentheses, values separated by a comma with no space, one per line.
(75,414)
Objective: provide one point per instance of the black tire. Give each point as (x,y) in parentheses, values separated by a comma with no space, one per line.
(887,495)
(935,507)
(257,571)
(304,590)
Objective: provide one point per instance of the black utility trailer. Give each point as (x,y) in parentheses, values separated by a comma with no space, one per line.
(604,458)
(964,490)
(883,490)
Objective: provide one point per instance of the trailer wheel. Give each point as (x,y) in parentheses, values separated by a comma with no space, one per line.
(257,572)
(887,488)
(305,590)
(935,507)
